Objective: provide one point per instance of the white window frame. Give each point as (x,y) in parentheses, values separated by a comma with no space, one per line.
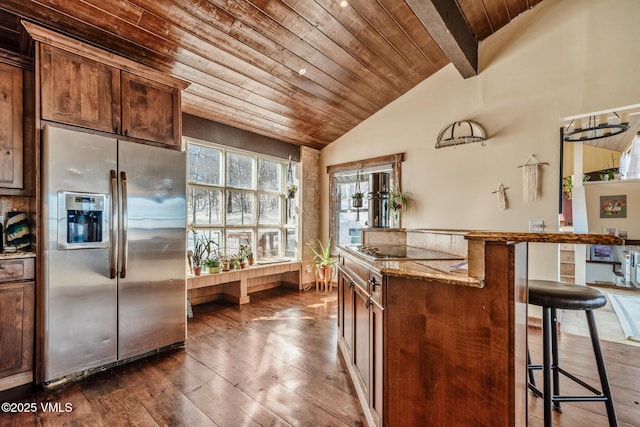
(254,227)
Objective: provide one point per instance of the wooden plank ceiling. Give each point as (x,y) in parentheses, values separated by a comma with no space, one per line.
(245,58)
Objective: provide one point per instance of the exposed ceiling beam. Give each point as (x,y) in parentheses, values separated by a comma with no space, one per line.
(447,26)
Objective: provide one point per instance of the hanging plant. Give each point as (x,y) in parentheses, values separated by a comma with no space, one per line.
(399,202)
(291,191)
(358,196)
(291,187)
(357,199)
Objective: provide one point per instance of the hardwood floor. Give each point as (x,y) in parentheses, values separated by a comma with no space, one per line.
(275,362)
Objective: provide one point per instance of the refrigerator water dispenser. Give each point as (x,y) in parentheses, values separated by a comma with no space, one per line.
(84,221)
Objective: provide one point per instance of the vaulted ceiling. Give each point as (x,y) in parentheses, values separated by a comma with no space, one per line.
(302,71)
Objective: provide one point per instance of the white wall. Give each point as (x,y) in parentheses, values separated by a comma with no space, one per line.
(559,59)
(630,188)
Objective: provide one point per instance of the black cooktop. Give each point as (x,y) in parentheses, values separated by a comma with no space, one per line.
(401,252)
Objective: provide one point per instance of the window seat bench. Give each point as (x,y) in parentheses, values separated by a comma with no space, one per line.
(236,285)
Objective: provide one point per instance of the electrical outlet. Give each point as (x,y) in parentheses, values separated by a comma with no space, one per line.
(536,225)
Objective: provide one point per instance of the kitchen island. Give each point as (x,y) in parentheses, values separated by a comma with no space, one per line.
(435,341)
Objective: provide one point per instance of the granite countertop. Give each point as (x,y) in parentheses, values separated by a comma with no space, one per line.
(455,271)
(17,255)
(450,272)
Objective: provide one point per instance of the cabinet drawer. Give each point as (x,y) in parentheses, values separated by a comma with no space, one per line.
(358,271)
(16,269)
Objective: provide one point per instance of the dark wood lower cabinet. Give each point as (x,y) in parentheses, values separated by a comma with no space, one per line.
(16,333)
(17,319)
(361,339)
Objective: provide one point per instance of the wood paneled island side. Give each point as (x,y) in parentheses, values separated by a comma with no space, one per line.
(428,343)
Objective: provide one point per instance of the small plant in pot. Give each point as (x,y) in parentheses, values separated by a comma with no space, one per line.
(225,263)
(357,197)
(245,254)
(199,249)
(213,265)
(323,261)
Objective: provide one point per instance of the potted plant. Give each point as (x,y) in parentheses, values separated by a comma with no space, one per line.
(199,249)
(235,262)
(399,205)
(323,261)
(225,263)
(245,255)
(291,191)
(357,199)
(212,265)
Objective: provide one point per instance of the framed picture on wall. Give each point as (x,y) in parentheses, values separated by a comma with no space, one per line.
(613,206)
(601,253)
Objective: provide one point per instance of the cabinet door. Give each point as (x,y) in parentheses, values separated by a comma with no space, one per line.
(347,308)
(79,91)
(361,338)
(377,363)
(150,110)
(16,328)
(341,285)
(11,171)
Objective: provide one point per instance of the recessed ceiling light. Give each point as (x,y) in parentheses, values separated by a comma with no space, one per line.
(344,3)
(302,71)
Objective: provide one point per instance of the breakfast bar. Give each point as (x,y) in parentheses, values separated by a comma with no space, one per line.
(441,341)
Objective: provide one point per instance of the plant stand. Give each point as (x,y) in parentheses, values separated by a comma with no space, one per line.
(324,278)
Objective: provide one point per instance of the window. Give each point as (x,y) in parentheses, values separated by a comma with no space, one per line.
(237,198)
(346,220)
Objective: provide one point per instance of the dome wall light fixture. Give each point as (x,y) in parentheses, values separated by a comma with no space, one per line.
(458,133)
(596,127)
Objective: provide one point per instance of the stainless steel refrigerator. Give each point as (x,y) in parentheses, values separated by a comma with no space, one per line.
(114,219)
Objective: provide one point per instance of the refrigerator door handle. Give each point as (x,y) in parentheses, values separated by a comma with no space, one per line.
(113,185)
(124,225)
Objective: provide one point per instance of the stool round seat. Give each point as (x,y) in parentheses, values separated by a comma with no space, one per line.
(548,293)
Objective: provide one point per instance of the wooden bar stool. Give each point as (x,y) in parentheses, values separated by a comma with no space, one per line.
(551,295)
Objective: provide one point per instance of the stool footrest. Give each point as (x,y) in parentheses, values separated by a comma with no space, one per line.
(579,381)
(599,396)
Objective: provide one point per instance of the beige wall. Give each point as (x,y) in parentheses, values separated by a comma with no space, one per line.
(629,188)
(559,59)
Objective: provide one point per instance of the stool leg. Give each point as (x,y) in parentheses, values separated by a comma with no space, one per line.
(546,364)
(555,357)
(602,372)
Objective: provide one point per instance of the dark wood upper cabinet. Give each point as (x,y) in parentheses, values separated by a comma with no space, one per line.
(79,91)
(11,127)
(150,110)
(86,86)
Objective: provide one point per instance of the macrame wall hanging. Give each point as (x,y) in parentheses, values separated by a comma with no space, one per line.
(531,178)
(503,204)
